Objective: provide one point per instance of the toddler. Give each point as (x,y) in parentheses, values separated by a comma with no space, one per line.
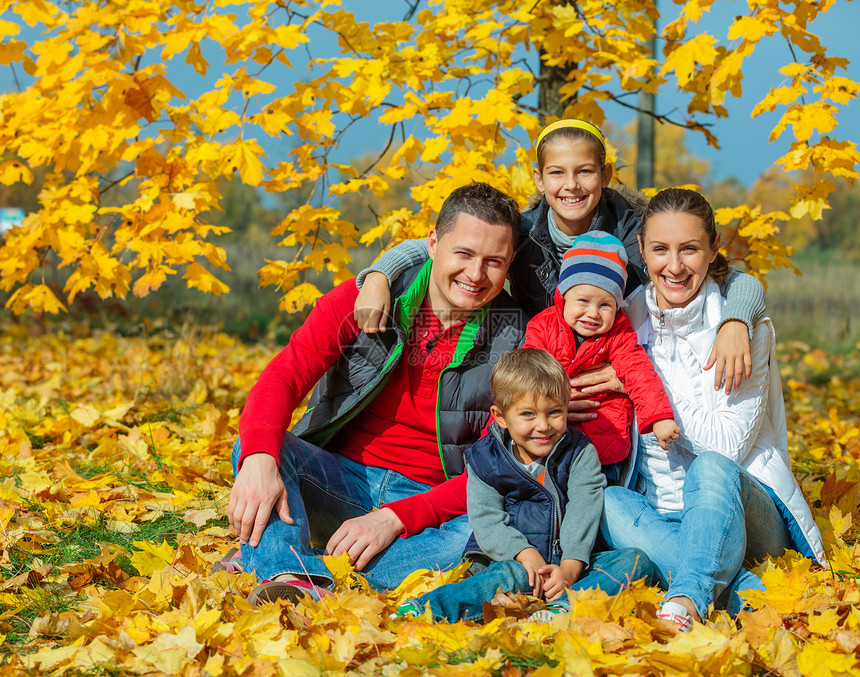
(584,327)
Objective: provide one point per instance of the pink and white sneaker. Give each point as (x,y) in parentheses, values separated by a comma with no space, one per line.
(672,611)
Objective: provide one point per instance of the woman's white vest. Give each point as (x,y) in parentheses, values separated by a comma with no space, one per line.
(679,342)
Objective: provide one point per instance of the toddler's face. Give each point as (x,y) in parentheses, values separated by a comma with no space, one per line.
(589,310)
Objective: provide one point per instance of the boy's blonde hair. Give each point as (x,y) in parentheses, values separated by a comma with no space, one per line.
(528,371)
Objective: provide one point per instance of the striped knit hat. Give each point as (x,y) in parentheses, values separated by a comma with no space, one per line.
(598,259)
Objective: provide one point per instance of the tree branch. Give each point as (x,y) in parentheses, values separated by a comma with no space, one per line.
(384,151)
(413,7)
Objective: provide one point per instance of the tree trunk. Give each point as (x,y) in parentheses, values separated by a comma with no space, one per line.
(645,143)
(550,81)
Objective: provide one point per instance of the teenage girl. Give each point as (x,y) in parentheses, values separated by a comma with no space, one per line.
(572,176)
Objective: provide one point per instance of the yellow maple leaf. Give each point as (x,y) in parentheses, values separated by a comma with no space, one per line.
(38,298)
(244,156)
(86,414)
(818,659)
(150,557)
(196,59)
(299,297)
(752,28)
(15,171)
(197,277)
(150,281)
(806,119)
(685,58)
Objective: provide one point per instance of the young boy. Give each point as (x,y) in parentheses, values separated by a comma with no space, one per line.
(585,327)
(534,498)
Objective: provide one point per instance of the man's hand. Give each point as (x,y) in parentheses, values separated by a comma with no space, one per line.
(532,560)
(372,303)
(600,378)
(364,537)
(731,353)
(258,490)
(558,578)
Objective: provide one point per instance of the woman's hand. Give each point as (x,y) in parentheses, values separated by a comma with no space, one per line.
(731,355)
(600,378)
(373,303)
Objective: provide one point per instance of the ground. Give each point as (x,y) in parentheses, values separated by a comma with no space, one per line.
(113,489)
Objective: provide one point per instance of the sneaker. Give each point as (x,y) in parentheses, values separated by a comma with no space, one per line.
(559,606)
(292,591)
(231,562)
(406,610)
(672,611)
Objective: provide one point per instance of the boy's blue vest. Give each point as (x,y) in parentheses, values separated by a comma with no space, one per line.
(535,510)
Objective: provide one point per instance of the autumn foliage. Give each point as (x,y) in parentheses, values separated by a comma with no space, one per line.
(110,442)
(164,97)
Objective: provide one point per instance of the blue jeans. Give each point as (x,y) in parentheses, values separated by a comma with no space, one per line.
(729,521)
(324,490)
(610,571)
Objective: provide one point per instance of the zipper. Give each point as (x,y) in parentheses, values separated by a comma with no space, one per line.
(470,331)
(662,324)
(555,500)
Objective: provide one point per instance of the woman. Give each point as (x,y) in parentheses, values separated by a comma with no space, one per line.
(723,495)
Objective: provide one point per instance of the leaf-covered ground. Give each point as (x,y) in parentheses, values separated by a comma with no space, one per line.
(114,480)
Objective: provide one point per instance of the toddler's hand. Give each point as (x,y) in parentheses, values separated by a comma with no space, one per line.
(666,431)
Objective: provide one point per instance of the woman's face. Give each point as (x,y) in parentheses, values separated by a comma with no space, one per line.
(676,249)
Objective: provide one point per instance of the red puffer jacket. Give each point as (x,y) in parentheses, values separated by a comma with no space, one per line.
(610,431)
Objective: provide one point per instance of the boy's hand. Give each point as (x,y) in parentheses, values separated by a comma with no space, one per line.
(558,578)
(731,353)
(373,303)
(666,431)
(531,559)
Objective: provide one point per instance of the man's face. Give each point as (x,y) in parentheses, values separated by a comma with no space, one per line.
(470,263)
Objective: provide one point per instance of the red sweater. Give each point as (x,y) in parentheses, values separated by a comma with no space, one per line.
(610,431)
(396,431)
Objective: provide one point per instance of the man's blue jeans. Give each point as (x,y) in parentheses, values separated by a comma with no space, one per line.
(324,490)
(464,600)
(729,521)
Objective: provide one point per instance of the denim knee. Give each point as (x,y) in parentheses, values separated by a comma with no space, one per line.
(514,575)
(638,563)
(711,467)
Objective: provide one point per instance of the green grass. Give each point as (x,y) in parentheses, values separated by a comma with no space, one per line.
(78,544)
(821,308)
(81,543)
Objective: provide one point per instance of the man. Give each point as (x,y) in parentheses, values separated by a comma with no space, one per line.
(392,414)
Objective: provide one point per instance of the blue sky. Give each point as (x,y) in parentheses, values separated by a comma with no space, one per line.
(745,151)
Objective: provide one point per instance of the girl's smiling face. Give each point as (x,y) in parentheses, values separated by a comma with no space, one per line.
(572,181)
